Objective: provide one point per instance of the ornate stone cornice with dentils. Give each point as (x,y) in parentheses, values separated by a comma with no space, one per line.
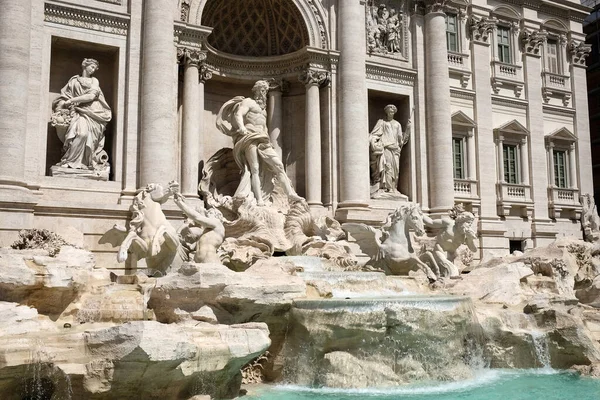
(289,65)
(190,36)
(378,72)
(80,18)
(480,28)
(532,41)
(579,52)
(310,77)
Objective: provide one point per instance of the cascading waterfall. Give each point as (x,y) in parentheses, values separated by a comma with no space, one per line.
(383,341)
(540,346)
(42,379)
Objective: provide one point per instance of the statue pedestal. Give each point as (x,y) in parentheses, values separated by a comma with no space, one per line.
(382,207)
(98,175)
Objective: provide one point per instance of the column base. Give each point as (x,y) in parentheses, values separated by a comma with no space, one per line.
(355,211)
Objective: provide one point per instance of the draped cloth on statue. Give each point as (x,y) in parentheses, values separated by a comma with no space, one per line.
(386,142)
(258,136)
(84,139)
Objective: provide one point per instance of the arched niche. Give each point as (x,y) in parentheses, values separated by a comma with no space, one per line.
(313,15)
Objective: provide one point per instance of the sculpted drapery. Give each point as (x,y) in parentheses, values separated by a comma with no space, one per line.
(83,102)
(386,141)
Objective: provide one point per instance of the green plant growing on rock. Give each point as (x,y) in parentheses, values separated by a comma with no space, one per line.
(40,239)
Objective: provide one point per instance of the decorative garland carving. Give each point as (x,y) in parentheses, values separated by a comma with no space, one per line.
(184,9)
(532,41)
(480,28)
(79,18)
(579,52)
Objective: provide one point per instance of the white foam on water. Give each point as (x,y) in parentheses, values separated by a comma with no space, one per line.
(483,378)
(540,345)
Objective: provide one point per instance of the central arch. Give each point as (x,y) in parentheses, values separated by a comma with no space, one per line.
(303,19)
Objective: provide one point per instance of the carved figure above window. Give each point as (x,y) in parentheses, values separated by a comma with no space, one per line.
(385,27)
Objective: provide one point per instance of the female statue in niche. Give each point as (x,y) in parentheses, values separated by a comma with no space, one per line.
(386,141)
(80,117)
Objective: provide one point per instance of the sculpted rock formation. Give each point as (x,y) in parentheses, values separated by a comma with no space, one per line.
(80,117)
(386,141)
(390,247)
(89,337)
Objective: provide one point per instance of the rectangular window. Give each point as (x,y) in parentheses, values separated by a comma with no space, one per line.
(560,168)
(458,157)
(511,166)
(451,32)
(503,39)
(552,56)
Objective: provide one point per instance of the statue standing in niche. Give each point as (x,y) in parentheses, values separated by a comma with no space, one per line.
(245,120)
(80,117)
(385,142)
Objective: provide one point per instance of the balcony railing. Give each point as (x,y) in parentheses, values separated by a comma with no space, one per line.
(514,192)
(564,196)
(508,71)
(465,188)
(458,60)
(556,81)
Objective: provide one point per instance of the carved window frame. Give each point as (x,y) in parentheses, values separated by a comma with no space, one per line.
(513,134)
(560,38)
(562,140)
(510,19)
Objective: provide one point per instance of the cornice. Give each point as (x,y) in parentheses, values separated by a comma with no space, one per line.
(281,66)
(83,18)
(383,73)
(462,94)
(508,102)
(558,110)
(188,35)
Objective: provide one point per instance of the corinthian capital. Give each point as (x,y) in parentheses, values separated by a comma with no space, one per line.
(312,77)
(579,52)
(481,28)
(532,40)
(434,5)
(190,56)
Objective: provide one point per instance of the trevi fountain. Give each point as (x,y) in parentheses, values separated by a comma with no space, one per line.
(171,238)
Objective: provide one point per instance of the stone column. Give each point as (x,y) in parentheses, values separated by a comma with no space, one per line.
(579,52)
(471,154)
(572,167)
(15,31)
(524,162)
(437,87)
(275,115)
(158,133)
(353,136)
(312,154)
(535,123)
(190,145)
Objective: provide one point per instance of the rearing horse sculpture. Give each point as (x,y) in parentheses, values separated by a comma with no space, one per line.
(390,247)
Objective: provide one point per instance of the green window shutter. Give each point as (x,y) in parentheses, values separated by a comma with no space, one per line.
(560,169)
(458,157)
(511,172)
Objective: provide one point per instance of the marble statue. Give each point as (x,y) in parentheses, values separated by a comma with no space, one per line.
(390,247)
(80,117)
(452,232)
(589,218)
(385,142)
(150,234)
(245,120)
(384,30)
(203,231)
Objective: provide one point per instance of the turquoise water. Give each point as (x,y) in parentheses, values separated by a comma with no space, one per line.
(489,385)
